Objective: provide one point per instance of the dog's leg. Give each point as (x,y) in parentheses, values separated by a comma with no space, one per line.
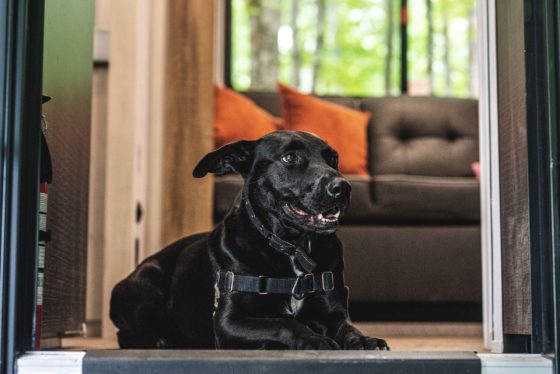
(327,313)
(269,333)
(350,338)
(138,307)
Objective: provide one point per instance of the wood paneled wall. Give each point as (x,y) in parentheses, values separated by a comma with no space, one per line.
(189,111)
(513,168)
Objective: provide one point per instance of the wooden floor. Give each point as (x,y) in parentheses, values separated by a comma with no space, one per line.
(427,336)
(401,336)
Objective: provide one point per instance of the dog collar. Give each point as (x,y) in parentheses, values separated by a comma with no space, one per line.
(282,246)
(295,286)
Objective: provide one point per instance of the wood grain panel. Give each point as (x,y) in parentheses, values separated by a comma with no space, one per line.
(189,111)
(513,168)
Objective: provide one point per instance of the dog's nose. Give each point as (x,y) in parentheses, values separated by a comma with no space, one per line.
(337,187)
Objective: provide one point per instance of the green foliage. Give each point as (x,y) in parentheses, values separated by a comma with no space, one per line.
(354,55)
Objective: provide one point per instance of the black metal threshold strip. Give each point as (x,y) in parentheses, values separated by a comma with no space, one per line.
(214,362)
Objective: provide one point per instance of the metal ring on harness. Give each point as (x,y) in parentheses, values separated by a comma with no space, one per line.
(331,276)
(262,286)
(298,280)
(230,288)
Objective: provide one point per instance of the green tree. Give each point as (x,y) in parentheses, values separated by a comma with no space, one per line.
(349,47)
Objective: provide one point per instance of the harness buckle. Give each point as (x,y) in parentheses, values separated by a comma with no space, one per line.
(331,280)
(294,294)
(229,275)
(262,285)
(310,275)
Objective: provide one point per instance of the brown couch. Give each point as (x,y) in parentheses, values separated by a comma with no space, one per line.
(412,233)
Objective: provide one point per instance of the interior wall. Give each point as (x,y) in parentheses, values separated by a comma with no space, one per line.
(96,223)
(159,113)
(118,244)
(98,163)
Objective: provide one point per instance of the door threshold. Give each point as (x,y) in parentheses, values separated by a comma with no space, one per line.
(209,362)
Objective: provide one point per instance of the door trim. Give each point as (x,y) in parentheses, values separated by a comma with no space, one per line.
(490,178)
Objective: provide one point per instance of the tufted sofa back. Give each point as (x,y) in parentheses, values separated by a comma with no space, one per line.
(426,136)
(422,135)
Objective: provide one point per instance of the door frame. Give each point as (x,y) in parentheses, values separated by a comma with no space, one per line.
(21,37)
(490,220)
(542,61)
(21,64)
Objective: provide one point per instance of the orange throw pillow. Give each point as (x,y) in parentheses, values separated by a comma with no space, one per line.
(239,118)
(343,128)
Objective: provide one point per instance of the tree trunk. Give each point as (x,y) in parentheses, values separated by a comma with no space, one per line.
(389,41)
(264,20)
(430,46)
(321,12)
(296,59)
(473,81)
(446,46)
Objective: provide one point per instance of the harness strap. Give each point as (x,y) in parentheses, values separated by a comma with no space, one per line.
(277,243)
(296,286)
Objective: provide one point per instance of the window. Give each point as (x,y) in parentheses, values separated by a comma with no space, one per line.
(354,47)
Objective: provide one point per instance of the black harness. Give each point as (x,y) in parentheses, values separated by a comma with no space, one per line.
(295,286)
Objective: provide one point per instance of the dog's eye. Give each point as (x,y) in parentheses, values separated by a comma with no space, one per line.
(289,158)
(333,161)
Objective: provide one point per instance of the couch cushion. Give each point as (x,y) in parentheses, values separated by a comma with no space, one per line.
(272,103)
(238,118)
(343,128)
(412,263)
(422,135)
(386,198)
(407,197)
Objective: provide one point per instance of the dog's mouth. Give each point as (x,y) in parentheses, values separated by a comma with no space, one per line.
(326,218)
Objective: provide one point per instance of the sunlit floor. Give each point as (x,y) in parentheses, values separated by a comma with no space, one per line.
(401,336)
(427,336)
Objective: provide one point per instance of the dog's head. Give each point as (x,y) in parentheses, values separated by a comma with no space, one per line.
(292,176)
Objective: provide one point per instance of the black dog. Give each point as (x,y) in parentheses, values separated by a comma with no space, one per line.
(268,277)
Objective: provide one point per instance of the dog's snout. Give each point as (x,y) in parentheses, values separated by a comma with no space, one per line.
(337,187)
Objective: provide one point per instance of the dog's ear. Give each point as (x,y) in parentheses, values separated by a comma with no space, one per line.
(236,157)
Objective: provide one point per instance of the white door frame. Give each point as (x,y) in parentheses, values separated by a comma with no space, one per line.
(489,178)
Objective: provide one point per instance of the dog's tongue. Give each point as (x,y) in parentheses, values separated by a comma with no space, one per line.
(299,211)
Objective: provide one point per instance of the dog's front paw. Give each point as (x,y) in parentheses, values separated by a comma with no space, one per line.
(359,342)
(316,342)
(375,344)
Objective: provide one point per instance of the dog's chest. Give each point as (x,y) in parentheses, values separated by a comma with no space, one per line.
(294,305)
